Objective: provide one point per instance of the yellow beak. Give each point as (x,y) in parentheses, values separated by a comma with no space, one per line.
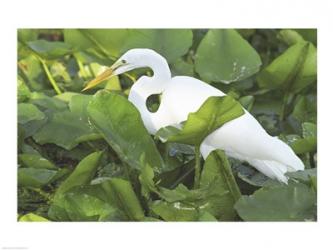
(100,78)
(107,74)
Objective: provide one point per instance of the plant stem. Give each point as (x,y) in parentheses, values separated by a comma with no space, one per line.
(81,67)
(228,176)
(197,167)
(49,76)
(283,108)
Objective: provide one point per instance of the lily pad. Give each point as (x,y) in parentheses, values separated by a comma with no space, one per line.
(224,56)
(293,202)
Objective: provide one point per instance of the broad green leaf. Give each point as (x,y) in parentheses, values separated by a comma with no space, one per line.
(32,72)
(66,129)
(78,105)
(147,180)
(120,124)
(178,211)
(175,211)
(28,112)
(217,168)
(292,71)
(308,35)
(180,67)
(66,96)
(305,109)
(35,161)
(304,175)
(290,37)
(212,114)
(175,201)
(116,193)
(82,174)
(306,144)
(171,43)
(247,102)
(45,102)
(23,92)
(121,195)
(205,216)
(30,128)
(50,50)
(224,56)
(293,202)
(31,217)
(35,177)
(309,130)
(107,41)
(80,204)
(27,35)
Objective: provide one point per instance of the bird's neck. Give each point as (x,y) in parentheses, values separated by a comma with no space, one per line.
(160,68)
(147,86)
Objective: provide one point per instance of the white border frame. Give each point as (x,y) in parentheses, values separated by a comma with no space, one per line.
(163,14)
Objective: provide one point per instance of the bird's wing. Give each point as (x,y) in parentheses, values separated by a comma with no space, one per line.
(245,139)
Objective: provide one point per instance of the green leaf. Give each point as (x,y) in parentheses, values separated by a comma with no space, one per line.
(309,130)
(115,200)
(247,102)
(66,129)
(290,37)
(147,180)
(78,104)
(26,35)
(305,109)
(45,102)
(120,124)
(28,112)
(179,199)
(122,196)
(82,204)
(175,211)
(293,202)
(23,92)
(31,217)
(304,175)
(35,161)
(292,71)
(306,144)
(308,35)
(224,56)
(213,113)
(180,67)
(171,43)
(50,50)
(31,70)
(83,173)
(35,177)
(217,168)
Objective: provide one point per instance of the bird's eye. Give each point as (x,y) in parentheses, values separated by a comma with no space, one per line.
(123,61)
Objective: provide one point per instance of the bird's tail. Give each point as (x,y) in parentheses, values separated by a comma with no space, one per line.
(272,169)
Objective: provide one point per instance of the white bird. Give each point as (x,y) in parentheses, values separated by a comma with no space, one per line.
(242,138)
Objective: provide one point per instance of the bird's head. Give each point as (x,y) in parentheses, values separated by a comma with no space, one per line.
(132,59)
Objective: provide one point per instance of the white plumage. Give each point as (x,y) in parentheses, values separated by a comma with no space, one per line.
(242,138)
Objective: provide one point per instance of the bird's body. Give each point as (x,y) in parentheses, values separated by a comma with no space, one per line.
(242,138)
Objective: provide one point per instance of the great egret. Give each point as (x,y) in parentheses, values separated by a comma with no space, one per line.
(242,138)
